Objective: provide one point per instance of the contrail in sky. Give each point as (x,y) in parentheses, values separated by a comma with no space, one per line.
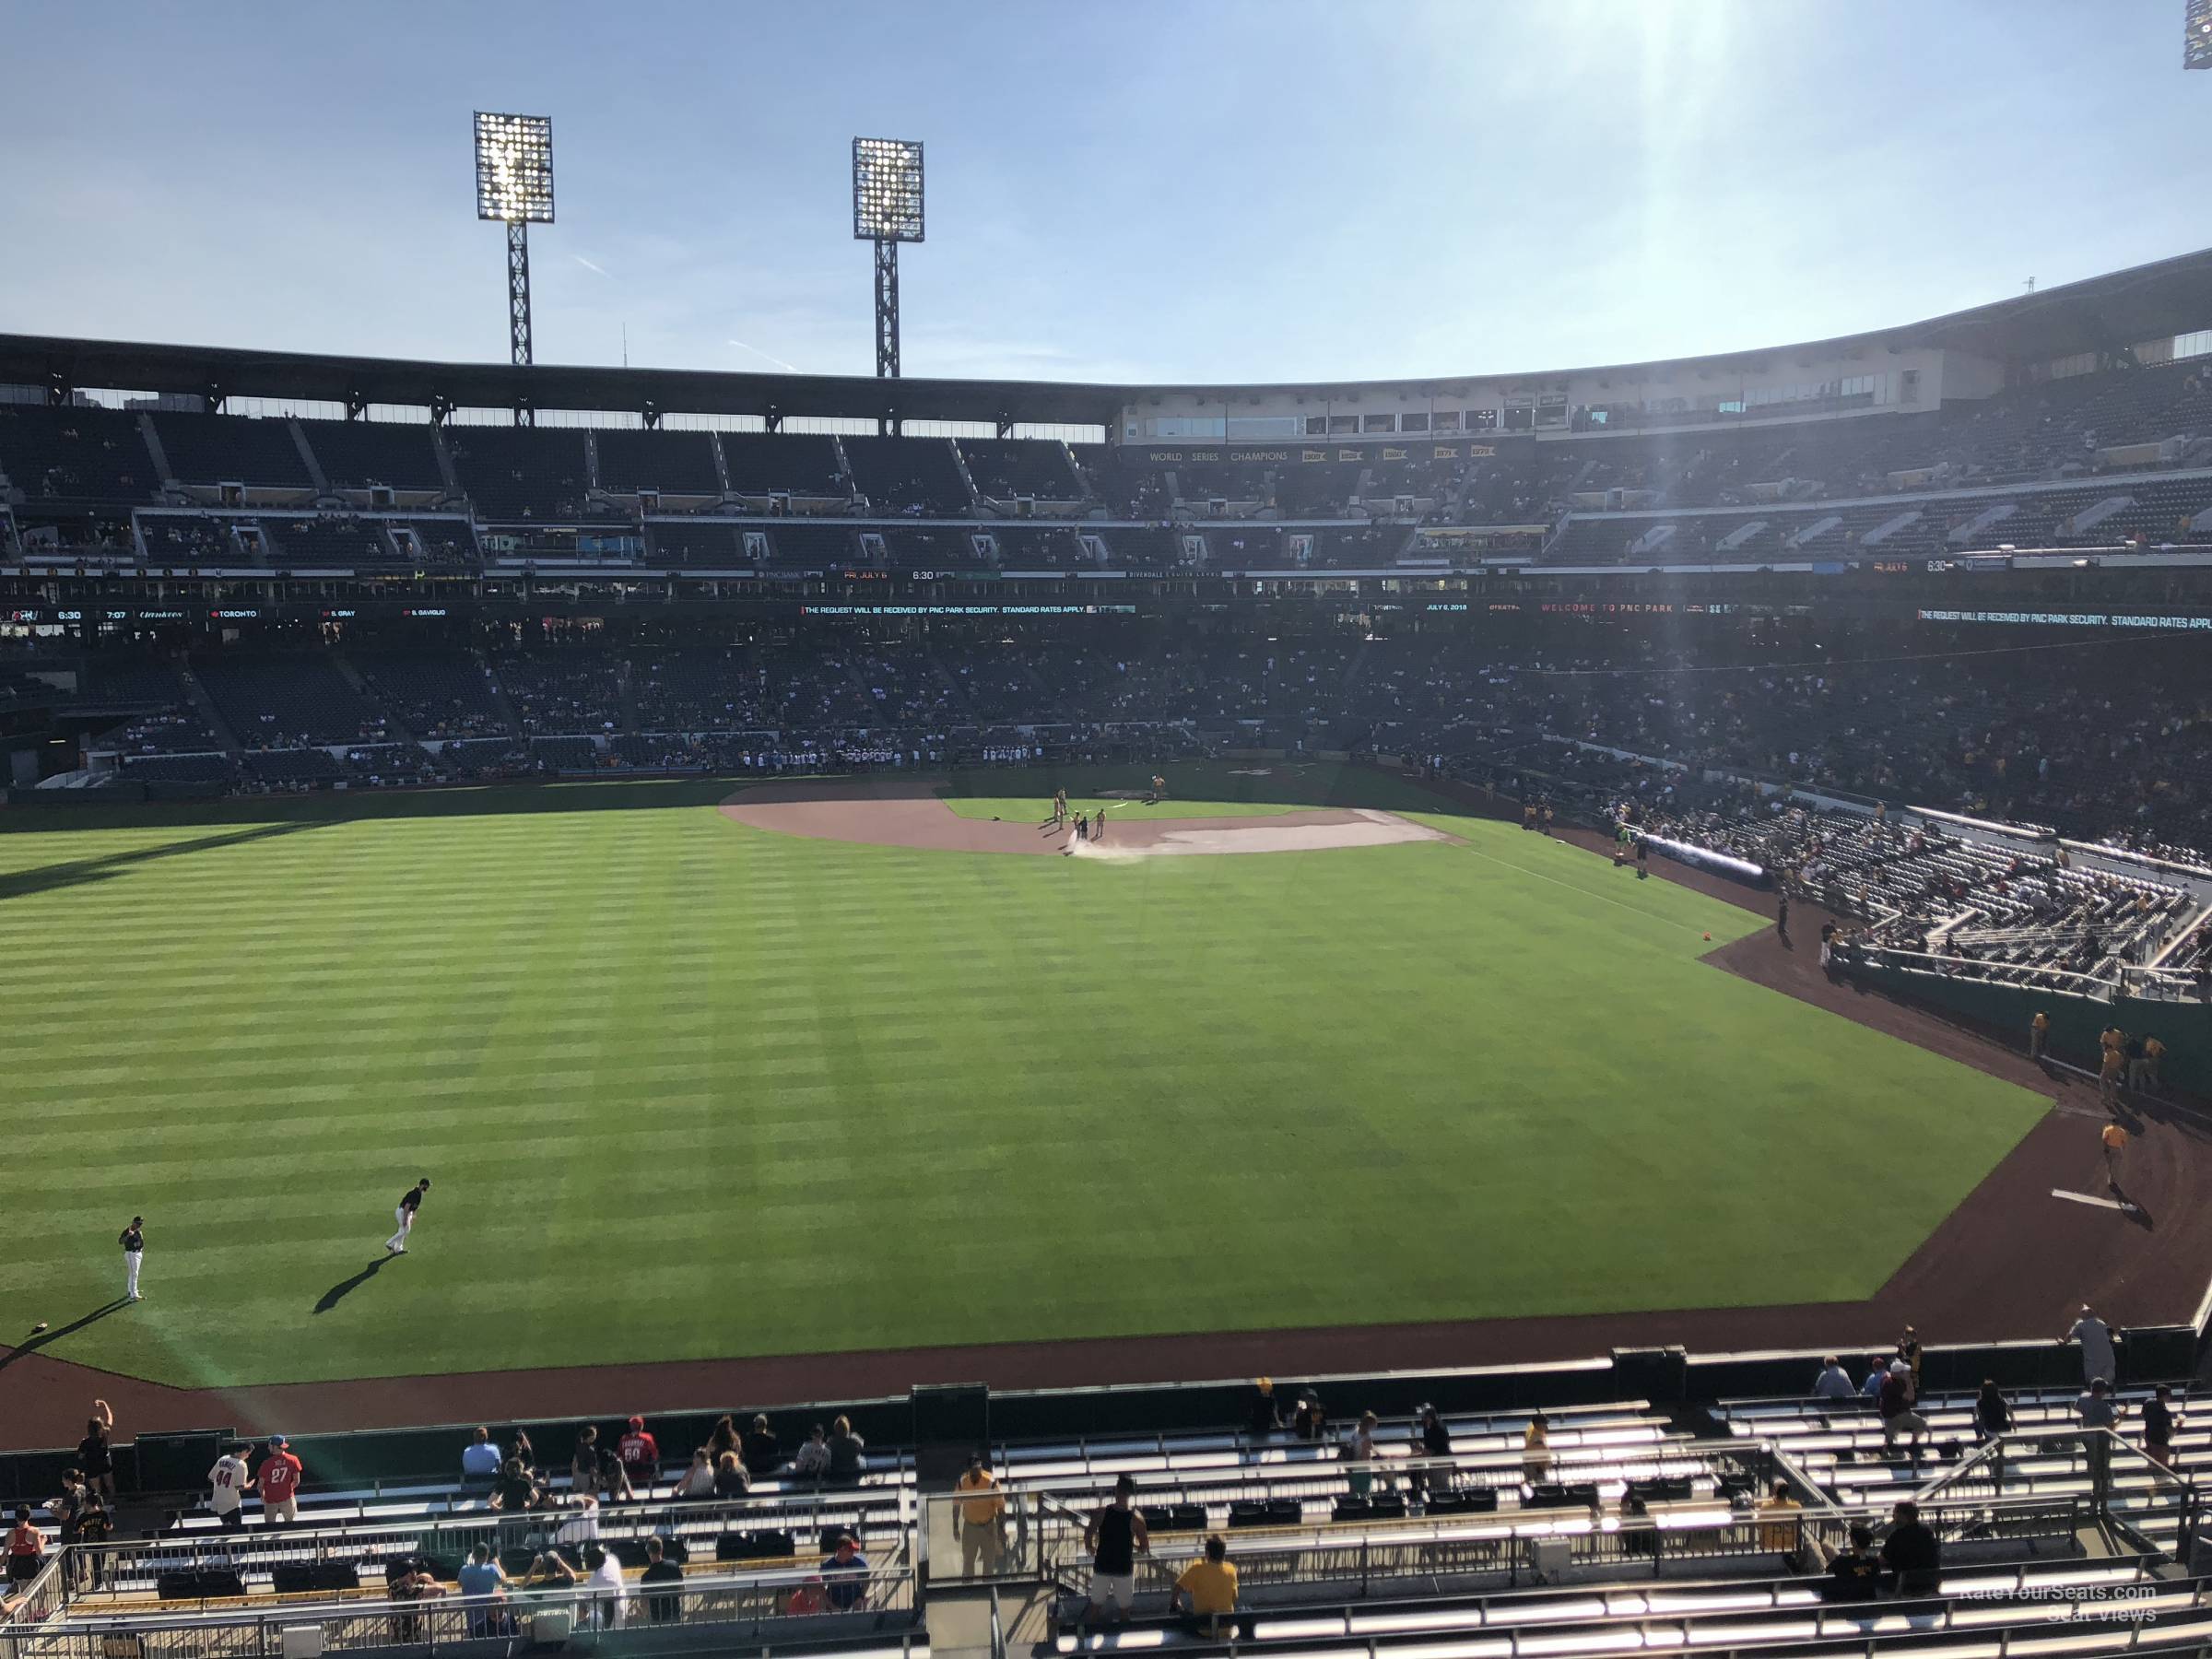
(778,362)
(588,265)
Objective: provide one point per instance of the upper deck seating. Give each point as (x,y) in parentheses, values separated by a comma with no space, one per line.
(73,453)
(231,449)
(356,454)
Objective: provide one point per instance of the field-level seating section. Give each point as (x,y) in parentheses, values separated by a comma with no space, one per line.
(519,472)
(436,694)
(354,454)
(292,766)
(391,764)
(76,454)
(1503,1483)
(328,1508)
(195,767)
(806,690)
(289,703)
(560,692)
(565,754)
(1842,1443)
(230,449)
(2039,1605)
(763,464)
(677,464)
(740,1563)
(903,684)
(700,688)
(474,759)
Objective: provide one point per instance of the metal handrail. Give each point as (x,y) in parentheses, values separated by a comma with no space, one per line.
(2029,1442)
(750,1598)
(450,1532)
(1909,1622)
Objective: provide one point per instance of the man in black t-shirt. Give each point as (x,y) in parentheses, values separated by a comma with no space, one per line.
(514,1491)
(410,1203)
(661,1609)
(1911,1552)
(2158,1427)
(1854,1575)
(763,1454)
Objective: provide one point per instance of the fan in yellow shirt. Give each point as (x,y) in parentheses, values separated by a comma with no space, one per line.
(1209,1583)
(1778,1521)
(979,1520)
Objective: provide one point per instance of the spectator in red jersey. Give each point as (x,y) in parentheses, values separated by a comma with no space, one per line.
(640,1456)
(279,1483)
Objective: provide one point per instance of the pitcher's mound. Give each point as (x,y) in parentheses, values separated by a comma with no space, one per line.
(908,812)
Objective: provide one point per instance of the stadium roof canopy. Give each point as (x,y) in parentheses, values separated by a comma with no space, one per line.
(32,359)
(2100,314)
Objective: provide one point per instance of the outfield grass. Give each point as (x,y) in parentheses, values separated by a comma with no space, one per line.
(688,1088)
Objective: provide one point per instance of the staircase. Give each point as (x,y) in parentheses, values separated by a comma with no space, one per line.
(959,463)
(952,685)
(445,464)
(352,676)
(204,706)
(498,696)
(860,689)
(307,458)
(627,690)
(1082,492)
(153,444)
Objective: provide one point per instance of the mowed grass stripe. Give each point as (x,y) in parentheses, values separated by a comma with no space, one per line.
(739,1093)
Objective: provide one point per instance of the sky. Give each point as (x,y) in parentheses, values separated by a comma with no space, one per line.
(1202,190)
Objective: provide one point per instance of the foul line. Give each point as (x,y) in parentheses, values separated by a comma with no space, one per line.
(2092,1198)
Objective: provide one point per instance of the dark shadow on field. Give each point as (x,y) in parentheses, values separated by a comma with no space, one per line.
(31,1345)
(485,800)
(347,1286)
(22,884)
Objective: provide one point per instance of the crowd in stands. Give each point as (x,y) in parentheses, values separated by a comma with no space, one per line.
(2136,422)
(1849,1509)
(2098,743)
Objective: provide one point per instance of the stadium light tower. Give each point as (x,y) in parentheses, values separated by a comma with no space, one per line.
(515,186)
(2197,51)
(886,211)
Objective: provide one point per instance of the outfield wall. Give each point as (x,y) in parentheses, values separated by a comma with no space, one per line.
(2077,1022)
